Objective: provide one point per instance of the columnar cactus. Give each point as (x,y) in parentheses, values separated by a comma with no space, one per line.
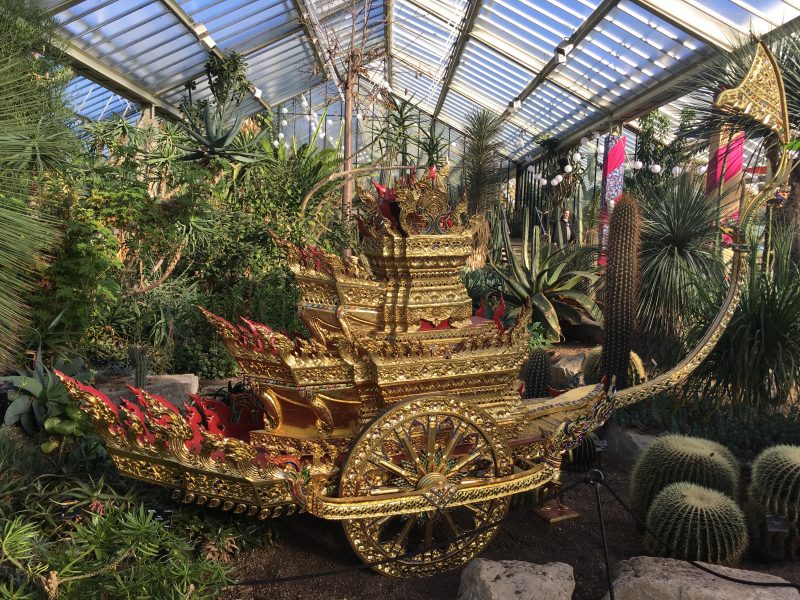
(698,522)
(537,374)
(139,357)
(673,458)
(592,367)
(775,490)
(621,289)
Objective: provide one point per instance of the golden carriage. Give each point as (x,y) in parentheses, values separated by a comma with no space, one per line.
(399,415)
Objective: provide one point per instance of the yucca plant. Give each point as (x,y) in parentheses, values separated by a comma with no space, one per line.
(756,362)
(34,139)
(678,228)
(544,279)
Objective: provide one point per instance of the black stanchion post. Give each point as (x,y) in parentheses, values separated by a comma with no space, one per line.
(595,477)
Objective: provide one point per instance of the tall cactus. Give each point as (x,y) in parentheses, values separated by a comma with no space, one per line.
(139,357)
(537,373)
(621,288)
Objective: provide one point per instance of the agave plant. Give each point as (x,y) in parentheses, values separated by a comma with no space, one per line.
(217,135)
(545,278)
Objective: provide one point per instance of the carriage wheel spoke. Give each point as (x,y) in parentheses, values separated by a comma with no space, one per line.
(390,466)
(455,438)
(401,539)
(474,455)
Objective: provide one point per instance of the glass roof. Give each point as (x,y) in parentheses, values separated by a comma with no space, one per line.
(450,57)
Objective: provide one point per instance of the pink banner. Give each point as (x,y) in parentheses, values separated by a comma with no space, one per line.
(725,164)
(613,178)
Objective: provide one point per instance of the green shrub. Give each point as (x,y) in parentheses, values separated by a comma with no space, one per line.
(700,523)
(97,535)
(592,367)
(673,458)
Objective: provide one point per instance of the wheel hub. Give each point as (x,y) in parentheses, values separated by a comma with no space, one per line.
(430,480)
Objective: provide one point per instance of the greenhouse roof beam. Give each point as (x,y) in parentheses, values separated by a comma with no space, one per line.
(101,73)
(458,49)
(592,21)
(695,22)
(313,36)
(666,91)
(503,49)
(182,16)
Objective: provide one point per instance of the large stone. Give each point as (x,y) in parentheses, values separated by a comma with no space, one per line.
(172,387)
(515,580)
(625,446)
(672,579)
(565,369)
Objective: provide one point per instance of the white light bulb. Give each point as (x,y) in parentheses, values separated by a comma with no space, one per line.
(543,181)
(554,182)
(329,122)
(656,169)
(637,164)
(676,171)
(314,116)
(531,169)
(305,104)
(567,168)
(308,117)
(559,178)
(359,116)
(284,110)
(595,135)
(281,136)
(275,143)
(584,141)
(576,157)
(286,145)
(284,122)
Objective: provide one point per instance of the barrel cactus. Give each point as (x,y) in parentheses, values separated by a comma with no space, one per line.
(673,458)
(537,374)
(775,490)
(592,367)
(698,522)
(582,457)
(621,289)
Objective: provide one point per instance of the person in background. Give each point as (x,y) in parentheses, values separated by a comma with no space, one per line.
(567,225)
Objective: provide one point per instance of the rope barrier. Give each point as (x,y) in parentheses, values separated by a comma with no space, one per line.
(594,478)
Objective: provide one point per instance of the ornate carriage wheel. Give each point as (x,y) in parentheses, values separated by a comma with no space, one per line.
(424,444)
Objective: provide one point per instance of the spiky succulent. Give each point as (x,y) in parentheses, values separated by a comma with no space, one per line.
(673,458)
(537,373)
(698,522)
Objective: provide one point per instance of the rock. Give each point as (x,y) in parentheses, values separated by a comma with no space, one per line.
(672,579)
(172,387)
(515,579)
(587,331)
(565,369)
(625,446)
